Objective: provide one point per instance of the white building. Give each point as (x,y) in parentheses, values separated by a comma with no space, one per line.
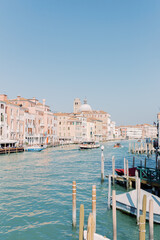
(90,130)
(134,132)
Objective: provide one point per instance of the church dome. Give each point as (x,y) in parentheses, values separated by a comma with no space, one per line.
(85,107)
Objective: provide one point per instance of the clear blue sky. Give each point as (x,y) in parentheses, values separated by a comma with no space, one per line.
(108,51)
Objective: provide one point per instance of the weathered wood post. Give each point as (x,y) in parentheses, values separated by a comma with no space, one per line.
(151,220)
(94,204)
(145,162)
(132,147)
(142,228)
(150,148)
(114,215)
(127,176)
(102,164)
(133,161)
(129,150)
(146,148)
(138,199)
(90,227)
(136,178)
(113,169)
(109,191)
(81,222)
(9,150)
(144,206)
(74,203)
(124,167)
(141,148)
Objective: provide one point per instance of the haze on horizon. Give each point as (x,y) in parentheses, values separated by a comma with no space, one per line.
(105,50)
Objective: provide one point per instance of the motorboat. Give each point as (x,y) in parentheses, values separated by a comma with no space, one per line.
(34,149)
(117,145)
(131,172)
(89,145)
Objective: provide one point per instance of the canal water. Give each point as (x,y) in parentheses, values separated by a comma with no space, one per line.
(36,193)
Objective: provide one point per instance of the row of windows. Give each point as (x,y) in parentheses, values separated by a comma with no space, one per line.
(70,123)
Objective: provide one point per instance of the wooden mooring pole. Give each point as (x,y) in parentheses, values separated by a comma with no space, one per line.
(124,167)
(81,222)
(151,236)
(109,191)
(102,164)
(129,150)
(138,198)
(133,161)
(142,227)
(113,170)
(94,204)
(127,176)
(90,227)
(144,203)
(114,215)
(74,203)
(145,162)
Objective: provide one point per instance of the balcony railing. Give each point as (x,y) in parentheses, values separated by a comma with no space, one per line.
(149,174)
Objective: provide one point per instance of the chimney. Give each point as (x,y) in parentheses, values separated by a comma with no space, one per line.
(3,97)
(44,102)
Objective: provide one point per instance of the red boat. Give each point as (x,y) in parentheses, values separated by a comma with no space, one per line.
(131,171)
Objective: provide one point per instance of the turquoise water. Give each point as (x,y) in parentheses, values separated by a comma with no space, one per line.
(36,193)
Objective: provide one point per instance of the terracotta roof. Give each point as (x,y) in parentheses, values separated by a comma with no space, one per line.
(94,119)
(95,112)
(19,99)
(62,114)
(74,119)
(10,103)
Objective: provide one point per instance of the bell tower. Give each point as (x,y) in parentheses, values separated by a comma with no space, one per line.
(76,105)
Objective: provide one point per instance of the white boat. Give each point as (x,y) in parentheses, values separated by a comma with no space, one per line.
(89,145)
(127,202)
(34,149)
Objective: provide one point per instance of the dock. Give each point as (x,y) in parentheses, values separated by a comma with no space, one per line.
(11,150)
(145,182)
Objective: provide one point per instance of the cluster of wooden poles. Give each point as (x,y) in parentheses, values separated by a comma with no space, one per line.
(141,220)
(143,148)
(92,217)
(126,170)
(91,227)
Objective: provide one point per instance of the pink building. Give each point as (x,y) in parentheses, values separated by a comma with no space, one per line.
(26,121)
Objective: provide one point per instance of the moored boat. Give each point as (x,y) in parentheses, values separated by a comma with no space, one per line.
(89,145)
(34,149)
(127,202)
(131,172)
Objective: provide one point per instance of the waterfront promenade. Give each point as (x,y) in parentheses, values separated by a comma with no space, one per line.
(36,193)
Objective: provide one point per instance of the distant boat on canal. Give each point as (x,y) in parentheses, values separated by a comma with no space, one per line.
(89,145)
(34,149)
(117,145)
